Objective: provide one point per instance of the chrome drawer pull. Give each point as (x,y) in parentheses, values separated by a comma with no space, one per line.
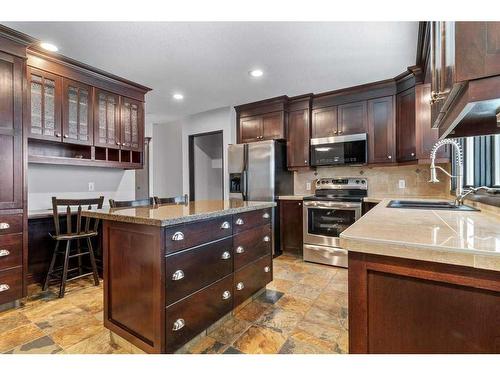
(240,286)
(4,252)
(4,225)
(239,222)
(265,216)
(225,225)
(226,295)
(240,249)
(178,324)
(4,287)
(226,255)
(266,239)
(178,236)
(177,275)
(267,269)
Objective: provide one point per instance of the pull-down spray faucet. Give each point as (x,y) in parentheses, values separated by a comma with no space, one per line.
(460,166)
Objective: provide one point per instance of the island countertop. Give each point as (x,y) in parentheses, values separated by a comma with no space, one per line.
(469,239)
(171,214)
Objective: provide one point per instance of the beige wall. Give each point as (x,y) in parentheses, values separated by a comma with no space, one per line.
(382,181)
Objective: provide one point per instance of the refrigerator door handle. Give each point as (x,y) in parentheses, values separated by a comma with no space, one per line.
(244,184)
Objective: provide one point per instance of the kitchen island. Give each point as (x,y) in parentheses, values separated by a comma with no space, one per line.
(171,271)
(424,281)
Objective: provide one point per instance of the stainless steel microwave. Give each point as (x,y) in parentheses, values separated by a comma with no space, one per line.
(339,150)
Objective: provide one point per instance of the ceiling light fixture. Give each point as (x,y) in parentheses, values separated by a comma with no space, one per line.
(256,73)
(49,47)
(178,96)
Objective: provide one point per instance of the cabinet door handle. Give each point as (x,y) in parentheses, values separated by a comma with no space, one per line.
(178,275)
(58,135)
(178,324)
(4,287)
(340,131)
(226,294)
(389,156)
(178,236)
(300,203)
(334,132)
(305,161)
(240,286)
(226,255)
(4,226)
(239,221)
(4,252)
(118,143)
(65,136)
(240,249)
(225,225)
(267,269)
(266,239)
(265,216)
(412,154)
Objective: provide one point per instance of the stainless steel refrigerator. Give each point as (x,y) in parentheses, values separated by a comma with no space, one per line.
(258,172)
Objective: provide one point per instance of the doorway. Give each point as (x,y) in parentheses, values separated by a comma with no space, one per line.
(206,175)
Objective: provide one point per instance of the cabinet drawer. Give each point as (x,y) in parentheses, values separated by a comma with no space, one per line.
(190,270)
(251,245)
(252,219)
(190,316)
(252,278)
(11,224)
(188,235)
(11,285)
(11,250)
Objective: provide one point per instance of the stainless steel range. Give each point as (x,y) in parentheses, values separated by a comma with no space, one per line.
(335,206)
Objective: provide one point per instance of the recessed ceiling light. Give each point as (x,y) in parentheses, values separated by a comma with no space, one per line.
(49,47)
(178,96)
(256,73)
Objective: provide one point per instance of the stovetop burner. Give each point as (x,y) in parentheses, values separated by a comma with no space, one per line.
(340,190)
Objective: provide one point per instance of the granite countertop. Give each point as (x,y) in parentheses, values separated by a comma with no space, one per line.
(172,214)
(454,237)
(297,197)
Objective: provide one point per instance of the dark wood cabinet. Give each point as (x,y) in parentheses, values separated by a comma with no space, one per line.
(250,129)
(291,230)
(381,130)
(77,116)
(405,125)
(352,118)
(251,278)
(298,138)
(324,122)
(107,119)
(44,105)
(405,306)
(273,126)
(11,138)
(132,124)
(251,245)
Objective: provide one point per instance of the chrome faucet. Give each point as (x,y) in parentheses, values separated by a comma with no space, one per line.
(460,167)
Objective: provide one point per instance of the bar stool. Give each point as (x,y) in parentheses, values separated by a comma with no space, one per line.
(182,199)
(79,230)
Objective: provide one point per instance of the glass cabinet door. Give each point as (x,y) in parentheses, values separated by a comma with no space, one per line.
(45,105)
(132,124)
(77,113)
(106,120)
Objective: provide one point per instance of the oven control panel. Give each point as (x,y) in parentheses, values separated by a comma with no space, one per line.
(342,183)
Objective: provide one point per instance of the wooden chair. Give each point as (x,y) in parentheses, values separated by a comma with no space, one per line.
(75,231)
(183,199)
(137,203)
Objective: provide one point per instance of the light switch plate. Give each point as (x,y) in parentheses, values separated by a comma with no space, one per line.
(402,184)
(308,186)
(91,186)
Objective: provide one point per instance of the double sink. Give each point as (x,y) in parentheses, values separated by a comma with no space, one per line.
(428,205)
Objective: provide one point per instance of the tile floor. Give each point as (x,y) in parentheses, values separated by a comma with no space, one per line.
(304,310)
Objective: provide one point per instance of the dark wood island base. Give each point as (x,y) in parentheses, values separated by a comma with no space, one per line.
(164,285)
(401,305)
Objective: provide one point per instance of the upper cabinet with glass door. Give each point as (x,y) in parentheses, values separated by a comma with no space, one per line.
(77,113)
(44,105)
(106,119)
(131,124)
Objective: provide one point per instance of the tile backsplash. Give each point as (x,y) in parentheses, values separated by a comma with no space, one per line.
(382,181)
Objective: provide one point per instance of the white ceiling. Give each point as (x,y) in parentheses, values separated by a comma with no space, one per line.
(209,61)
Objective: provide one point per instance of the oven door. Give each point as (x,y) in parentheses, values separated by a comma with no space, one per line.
(339,150)
(324,221)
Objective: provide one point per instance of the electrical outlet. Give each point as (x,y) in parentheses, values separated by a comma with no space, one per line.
(402,184)
(308,186)
(91,186)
